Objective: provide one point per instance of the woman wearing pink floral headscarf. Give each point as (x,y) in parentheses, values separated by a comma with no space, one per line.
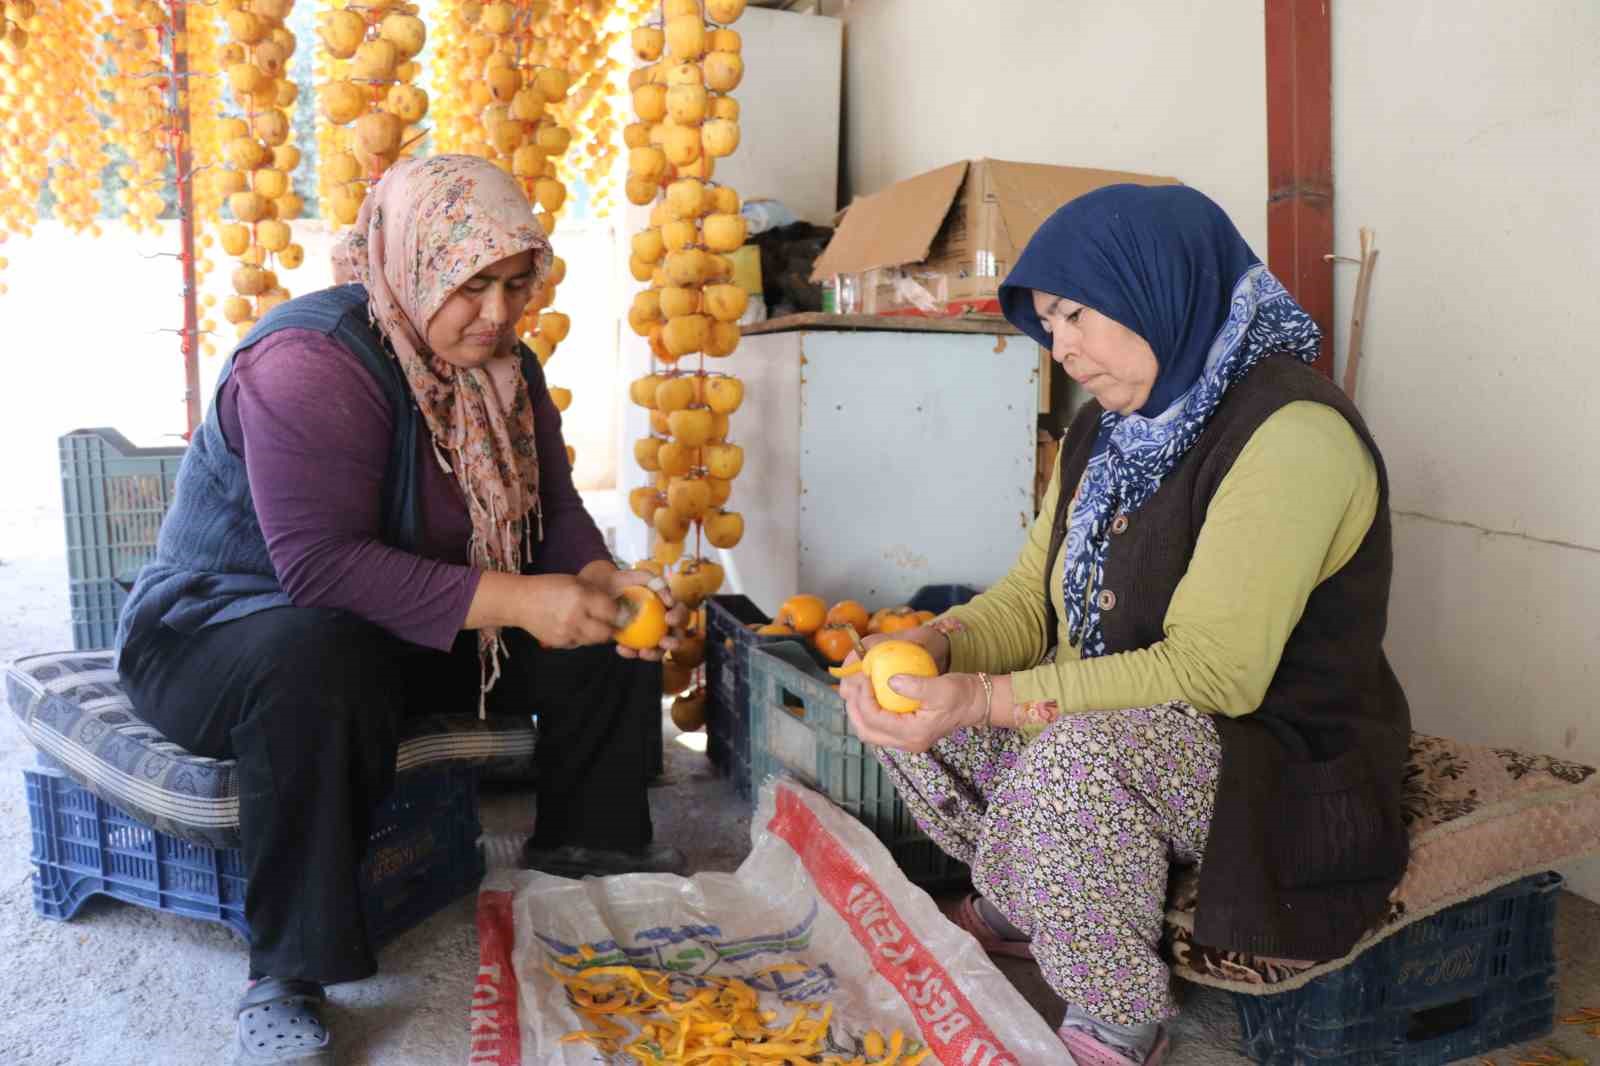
(377,520)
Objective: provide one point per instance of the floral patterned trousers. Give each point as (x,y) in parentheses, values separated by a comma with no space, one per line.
(1072,835)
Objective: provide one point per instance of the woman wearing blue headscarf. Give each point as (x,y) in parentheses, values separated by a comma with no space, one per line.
(1185,664)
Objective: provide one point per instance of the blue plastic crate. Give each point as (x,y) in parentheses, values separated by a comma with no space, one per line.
(421,856)
(798,725)
(113,497)
(1474,977)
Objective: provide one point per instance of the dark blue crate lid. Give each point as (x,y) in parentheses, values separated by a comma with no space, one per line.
(1474,977)
(940,598)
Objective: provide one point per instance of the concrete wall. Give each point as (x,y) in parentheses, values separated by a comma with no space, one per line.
(1156,86)
(789,111)
(1468,136)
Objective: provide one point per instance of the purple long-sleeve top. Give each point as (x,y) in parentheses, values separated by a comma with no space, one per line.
(314,429)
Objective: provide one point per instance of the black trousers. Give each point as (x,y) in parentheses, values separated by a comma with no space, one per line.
(311,701)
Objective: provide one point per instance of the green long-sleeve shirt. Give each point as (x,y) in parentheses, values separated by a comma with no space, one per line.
(1291,511)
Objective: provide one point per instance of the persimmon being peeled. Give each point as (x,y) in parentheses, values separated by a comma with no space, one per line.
(642,617)
(892,658)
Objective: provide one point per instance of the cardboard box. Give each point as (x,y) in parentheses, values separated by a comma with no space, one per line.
(942,242)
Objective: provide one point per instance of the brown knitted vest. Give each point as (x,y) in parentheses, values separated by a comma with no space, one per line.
(1307,840)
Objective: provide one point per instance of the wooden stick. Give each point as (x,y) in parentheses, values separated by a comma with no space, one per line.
(1358,310)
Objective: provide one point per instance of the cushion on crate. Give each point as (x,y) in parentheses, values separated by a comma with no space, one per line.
(1479,818)
(72,707)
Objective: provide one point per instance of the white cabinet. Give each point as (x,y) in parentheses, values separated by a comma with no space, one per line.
(878,461)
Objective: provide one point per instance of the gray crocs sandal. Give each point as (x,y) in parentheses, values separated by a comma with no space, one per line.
(280,1020)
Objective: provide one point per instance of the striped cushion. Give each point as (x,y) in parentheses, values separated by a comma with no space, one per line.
(72,707)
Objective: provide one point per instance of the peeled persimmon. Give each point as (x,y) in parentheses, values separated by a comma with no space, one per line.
(675,677)
(803,612)
(691,650)
(689,712)
(642,617)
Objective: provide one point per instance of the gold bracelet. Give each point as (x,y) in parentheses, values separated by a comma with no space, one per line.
(988,699)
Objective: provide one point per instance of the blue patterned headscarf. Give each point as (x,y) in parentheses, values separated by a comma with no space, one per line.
(1168,264)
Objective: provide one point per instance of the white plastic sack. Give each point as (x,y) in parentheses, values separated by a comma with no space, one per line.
(817,889)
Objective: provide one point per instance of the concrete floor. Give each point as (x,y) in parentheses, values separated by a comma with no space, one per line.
(121,984)
(124,985)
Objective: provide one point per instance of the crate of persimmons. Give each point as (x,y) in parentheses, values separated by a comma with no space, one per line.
(827,634)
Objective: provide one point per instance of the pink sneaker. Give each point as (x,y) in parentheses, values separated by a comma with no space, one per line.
(1086,1050)
(964,912)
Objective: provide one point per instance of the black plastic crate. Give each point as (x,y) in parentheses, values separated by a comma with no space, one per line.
(422,855)
(798,725)
(728,643)
(729,639)
(113,497)
(1476,976)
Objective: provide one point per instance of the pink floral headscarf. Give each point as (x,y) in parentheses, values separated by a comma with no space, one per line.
(427,228)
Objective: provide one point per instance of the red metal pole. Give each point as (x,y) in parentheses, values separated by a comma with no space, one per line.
(1300,157)
(183,161)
